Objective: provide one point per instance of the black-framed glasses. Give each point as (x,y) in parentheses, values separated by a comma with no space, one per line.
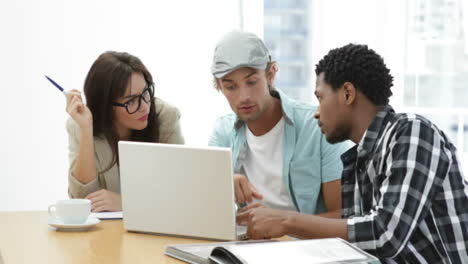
(133,104)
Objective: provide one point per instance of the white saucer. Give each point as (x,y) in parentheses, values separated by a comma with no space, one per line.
(91,221)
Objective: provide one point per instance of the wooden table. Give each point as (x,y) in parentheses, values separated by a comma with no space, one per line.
(25,237)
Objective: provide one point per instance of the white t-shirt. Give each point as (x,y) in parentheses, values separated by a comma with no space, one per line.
(264,167)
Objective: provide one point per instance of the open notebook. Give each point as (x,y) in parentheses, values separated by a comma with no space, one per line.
(200,253)
(329,250)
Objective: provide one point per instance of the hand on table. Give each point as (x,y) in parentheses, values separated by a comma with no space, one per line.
(104,200)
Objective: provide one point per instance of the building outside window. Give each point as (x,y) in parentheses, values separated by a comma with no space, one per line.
(436,75)
(287,36)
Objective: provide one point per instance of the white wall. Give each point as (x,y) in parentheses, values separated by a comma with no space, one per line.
(175,39)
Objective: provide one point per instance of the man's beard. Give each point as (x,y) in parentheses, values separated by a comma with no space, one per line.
(249,118)
(340,134)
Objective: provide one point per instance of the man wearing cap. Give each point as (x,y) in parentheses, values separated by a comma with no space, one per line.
(280,158)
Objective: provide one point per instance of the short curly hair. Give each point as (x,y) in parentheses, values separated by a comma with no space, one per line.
(362,67)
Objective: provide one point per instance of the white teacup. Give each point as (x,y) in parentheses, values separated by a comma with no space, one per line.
(72,211)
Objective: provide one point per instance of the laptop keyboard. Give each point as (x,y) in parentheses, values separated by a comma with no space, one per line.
(241,232)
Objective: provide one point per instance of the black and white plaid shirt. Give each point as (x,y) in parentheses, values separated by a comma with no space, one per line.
(404,194)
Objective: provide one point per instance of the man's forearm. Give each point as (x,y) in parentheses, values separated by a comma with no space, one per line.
(331,214)
(312,226)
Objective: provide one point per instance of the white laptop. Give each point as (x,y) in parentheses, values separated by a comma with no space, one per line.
(178,190)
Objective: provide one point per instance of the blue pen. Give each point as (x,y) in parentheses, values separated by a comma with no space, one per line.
(56,85)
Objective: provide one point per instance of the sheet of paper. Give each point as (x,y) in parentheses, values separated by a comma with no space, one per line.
(108,215)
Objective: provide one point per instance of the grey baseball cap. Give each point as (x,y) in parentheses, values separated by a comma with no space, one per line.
(239,49)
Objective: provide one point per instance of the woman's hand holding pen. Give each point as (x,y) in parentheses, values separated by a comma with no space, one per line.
(78,110)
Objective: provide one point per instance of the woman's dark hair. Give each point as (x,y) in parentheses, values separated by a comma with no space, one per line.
(362,67)
(107,80)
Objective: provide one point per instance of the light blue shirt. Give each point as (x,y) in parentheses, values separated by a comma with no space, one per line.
(308,159)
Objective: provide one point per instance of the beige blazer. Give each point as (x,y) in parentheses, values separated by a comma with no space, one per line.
(169,132)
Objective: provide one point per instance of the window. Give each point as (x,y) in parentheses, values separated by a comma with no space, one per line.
(436,72)
(286,34)
(424,43)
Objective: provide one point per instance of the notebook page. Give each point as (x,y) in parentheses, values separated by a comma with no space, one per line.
(305,251)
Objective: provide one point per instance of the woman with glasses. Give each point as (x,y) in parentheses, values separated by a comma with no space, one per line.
(120,105)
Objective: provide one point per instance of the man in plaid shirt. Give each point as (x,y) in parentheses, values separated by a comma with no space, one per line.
(405,199)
